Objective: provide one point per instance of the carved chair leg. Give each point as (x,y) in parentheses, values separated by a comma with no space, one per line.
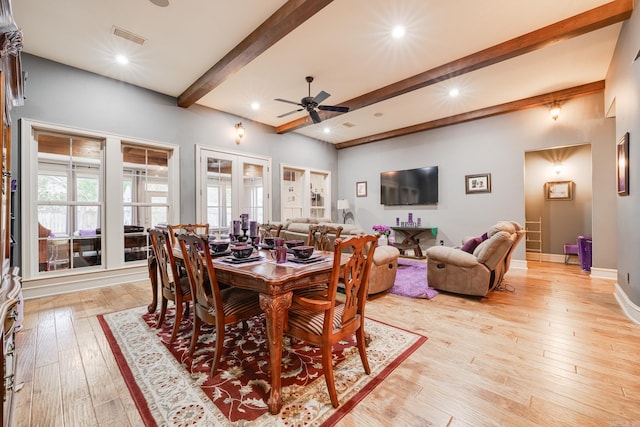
(194,334)
(176,324)
(186,309)
(327,368)
(163,310)
(218,350)
(361,341)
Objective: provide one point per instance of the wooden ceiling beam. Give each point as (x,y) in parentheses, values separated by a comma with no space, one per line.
(535,101)
(594,19)
(291,15)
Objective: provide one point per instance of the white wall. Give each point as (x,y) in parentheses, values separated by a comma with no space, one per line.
(494,145)
(622,98)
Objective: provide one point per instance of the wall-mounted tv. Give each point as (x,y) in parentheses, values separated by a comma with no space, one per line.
(409,187)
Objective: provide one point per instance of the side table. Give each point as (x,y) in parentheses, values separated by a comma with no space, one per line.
(410,239)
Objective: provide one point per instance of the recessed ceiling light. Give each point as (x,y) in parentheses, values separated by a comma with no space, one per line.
(454,92)
(398,32)
(122,59)
(255,106)
(327,130)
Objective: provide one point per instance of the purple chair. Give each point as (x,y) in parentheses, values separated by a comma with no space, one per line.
(584,252)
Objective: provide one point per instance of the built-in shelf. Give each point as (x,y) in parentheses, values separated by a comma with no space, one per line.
(534,237)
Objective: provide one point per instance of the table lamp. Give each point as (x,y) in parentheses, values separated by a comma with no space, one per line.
(343,204)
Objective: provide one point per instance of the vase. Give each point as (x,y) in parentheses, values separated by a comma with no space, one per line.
(383,240)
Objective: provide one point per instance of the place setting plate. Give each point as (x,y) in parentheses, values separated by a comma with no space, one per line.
(232,260)
(310,260)
(219,254)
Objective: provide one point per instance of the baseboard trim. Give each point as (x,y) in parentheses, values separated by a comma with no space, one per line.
(604,273)
(519,264)
(628,307)
(58,285)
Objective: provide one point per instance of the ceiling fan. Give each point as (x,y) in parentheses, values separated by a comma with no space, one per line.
(310,104)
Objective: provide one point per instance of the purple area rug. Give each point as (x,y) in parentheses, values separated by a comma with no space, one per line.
(411,280)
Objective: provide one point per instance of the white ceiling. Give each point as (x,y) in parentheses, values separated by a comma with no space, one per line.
(346,46)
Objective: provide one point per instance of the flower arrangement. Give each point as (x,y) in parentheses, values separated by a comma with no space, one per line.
(384,230)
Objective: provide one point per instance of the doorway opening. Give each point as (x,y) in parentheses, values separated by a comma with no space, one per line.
(558,201)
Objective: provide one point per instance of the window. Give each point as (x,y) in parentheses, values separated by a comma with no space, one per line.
(69,200)
(305,193)
(230,185)
(87,202)
(145,196)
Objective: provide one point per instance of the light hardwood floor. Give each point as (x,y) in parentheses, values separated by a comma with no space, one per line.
(558,351)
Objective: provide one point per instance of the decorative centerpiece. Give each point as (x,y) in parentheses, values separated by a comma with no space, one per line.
(384,231)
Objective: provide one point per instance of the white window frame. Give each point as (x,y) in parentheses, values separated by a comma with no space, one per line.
(201,171)
(306,190)
(112,213)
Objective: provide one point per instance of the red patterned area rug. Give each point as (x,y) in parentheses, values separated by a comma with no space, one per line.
(172,389)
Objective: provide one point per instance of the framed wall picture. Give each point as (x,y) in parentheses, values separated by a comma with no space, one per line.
(559,190)
(477,183)
(361,189)
(623,165)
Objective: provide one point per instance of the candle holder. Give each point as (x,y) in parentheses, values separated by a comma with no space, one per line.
(242,237)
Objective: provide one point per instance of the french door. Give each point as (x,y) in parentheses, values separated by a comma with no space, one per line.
(230,184)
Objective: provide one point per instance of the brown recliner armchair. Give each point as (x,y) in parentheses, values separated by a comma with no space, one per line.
(383,270)
(476,273)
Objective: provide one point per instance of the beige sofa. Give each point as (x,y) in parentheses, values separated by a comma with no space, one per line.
(385,258)
(298,228)
(478,271)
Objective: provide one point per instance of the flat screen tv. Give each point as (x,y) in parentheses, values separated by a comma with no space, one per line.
(409,187)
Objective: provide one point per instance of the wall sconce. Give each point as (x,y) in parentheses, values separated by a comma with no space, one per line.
(554,111)
(343,205)
(557,168)
(239,133)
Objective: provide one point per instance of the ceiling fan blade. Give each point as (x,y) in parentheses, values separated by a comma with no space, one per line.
(314,116)
(321,97)
(337,108)
(288,102)
(290,112)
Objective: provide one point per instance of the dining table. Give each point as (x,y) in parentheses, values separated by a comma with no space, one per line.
(275,284)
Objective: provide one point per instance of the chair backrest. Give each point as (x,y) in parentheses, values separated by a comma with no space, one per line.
(163,252)
(353,276)
(520,232)
(319,236)
(269,230)
(177,229)
(202,276)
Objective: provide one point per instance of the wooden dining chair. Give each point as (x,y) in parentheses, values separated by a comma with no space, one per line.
(177,229)
(212,305)
(319,236)
(323,321)
(174,288)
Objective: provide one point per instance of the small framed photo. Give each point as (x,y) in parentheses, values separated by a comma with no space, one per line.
(477,183)
(559,190)
(361,189)
(623,165)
